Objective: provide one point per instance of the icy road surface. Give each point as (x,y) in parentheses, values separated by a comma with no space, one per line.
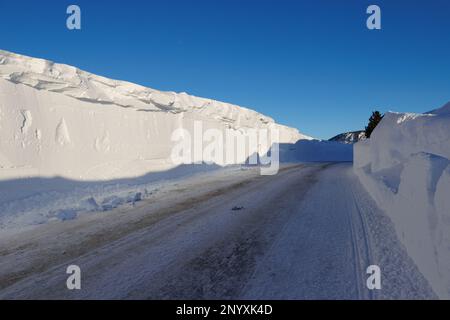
(309,232)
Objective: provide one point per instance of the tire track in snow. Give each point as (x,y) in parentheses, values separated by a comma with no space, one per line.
(141,264)
(337,210)
(366,241)
(306,233)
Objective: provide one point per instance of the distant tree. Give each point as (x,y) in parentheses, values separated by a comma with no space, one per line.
(374,120)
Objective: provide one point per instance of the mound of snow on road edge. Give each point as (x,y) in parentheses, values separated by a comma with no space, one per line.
(405,166)
(72,141)
(58,120)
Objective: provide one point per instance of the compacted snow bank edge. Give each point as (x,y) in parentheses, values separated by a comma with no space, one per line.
(405,167)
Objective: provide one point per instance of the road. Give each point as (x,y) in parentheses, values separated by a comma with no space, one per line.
(308,232)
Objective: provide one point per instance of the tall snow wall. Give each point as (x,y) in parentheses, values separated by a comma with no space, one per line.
(405,165)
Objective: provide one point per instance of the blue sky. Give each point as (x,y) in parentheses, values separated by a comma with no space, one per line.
(309,64)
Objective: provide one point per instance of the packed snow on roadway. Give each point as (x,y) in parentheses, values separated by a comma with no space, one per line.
(72,142)
(405,166)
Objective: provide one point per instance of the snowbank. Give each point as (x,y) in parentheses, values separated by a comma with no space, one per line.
(405,166)
(58,120)
(73,141)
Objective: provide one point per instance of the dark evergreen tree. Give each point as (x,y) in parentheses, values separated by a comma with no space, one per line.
(374,120)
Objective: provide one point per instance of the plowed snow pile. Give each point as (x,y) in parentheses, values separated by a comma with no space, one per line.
(73,141)
(405,165)
(58,120)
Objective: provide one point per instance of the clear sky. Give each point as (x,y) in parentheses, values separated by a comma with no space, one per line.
(309,64)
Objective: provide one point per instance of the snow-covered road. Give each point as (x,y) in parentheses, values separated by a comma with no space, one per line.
(309,232)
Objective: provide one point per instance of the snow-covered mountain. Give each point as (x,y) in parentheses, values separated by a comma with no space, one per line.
(442,110)
(58,120)
(349,137)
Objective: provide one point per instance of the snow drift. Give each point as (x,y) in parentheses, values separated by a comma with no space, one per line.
(72,141)
(58,120)
(405,165)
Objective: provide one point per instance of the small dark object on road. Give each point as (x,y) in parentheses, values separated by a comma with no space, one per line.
(235,208)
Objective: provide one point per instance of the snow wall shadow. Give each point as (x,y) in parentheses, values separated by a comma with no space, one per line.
(36,200)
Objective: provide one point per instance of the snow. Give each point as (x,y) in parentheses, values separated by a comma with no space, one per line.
(188,243)
(350,137)
(405,166)
(77,125)
(316,151)
(76,146)
(67,136)
(443,110)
